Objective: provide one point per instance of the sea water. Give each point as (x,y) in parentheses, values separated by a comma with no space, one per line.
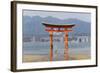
(43,48)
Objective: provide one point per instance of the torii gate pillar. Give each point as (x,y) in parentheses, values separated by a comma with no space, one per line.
(51,45)
(66,46)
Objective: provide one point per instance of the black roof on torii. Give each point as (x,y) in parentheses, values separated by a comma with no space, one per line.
(58,25)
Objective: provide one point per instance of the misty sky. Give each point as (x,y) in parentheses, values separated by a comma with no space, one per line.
(61,15)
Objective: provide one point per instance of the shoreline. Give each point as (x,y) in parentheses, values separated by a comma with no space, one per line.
(42,58)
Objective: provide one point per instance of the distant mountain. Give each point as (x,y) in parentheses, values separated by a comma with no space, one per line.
(33,25)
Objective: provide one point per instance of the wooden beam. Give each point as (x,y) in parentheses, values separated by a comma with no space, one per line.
(58,30)
(51,45)
(66,57)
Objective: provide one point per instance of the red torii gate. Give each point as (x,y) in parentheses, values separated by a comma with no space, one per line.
(58,28)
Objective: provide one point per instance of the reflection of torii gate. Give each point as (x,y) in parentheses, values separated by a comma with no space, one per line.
(58,28)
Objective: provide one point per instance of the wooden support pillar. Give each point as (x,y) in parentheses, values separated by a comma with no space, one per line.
(66,46)
(51,46)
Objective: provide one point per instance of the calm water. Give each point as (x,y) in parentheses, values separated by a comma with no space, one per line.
(43,47)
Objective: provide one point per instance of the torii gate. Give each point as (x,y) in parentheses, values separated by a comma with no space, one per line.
(58,28)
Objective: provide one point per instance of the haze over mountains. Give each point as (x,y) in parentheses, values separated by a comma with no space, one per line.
(32,25)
